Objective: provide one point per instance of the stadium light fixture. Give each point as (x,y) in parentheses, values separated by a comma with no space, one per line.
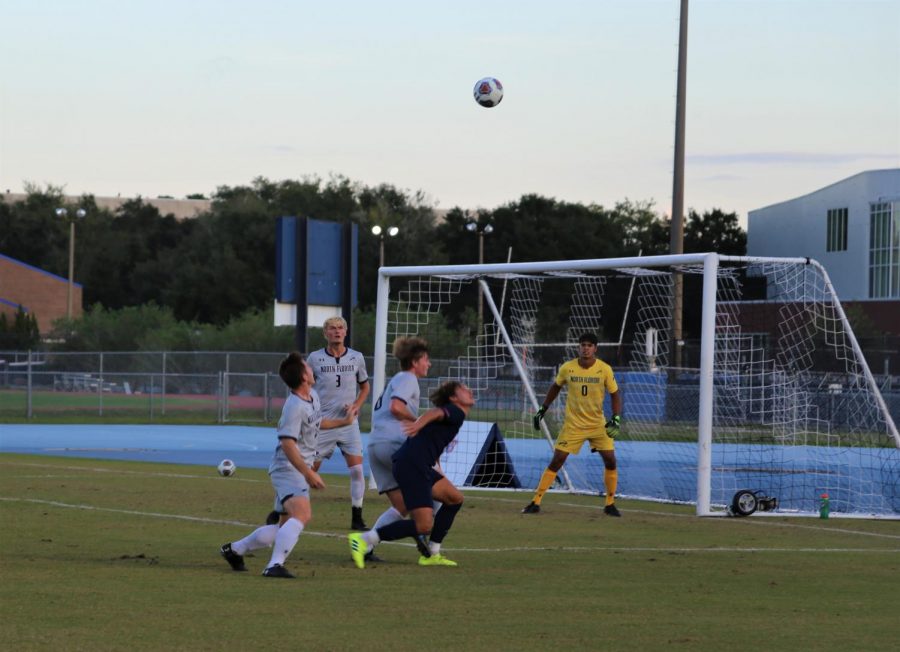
(381,231)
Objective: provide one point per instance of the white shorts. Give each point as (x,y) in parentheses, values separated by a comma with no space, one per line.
(347,438)
(381,464)
(288,483)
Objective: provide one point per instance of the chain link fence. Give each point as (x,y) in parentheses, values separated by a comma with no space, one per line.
(201,386)
(224,387)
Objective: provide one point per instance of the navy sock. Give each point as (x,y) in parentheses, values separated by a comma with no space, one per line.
(442,521)
(397,530)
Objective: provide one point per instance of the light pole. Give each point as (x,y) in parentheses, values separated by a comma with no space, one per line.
(64,213)
(380,232)
(676,232)
(481,230)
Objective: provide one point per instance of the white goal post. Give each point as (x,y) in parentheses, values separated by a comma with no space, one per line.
(768,392)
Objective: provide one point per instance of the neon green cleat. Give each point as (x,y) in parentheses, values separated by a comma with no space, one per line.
(358,549)
(436,560)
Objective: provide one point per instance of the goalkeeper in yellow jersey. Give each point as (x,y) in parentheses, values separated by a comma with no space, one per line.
(588,380)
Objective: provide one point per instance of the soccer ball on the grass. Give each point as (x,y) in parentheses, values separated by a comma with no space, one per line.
(227,468)
(488,92)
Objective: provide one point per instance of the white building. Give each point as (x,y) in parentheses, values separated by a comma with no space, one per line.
(852,227)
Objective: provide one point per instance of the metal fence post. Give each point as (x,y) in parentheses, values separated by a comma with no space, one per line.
(100,386)
(28,405)
(266,397)
(220,393)
(226,395)
(162,395)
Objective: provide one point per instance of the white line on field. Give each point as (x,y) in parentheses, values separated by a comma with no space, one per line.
(214,521)
(157,474)
(764,522)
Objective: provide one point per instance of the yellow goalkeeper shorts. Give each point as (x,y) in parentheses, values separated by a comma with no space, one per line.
(571,441)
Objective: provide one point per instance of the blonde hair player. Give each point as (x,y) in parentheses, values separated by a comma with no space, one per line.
(343,385)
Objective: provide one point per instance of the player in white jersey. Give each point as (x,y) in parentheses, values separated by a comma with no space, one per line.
(342,383)
(398,403)
(291,470)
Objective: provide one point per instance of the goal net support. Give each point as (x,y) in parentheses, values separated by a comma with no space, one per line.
(767,391)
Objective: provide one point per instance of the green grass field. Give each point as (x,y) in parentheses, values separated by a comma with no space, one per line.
(99,555)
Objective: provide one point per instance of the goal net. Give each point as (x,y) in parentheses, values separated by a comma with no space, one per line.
(757,383)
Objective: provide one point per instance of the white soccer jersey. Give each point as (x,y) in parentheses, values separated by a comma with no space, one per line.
(300,421)
(385,426)
(337,379)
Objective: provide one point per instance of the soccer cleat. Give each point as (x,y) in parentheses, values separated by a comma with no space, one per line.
(235,560)
(277,570)
(531,508)
(611,510)
(357,522)
(273,518)
(422,545)
(371,556)
(436,560)
(358,549)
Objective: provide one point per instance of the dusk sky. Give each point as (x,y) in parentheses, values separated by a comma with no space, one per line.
(172,98)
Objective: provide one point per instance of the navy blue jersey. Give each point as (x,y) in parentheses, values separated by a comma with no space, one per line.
(426,447)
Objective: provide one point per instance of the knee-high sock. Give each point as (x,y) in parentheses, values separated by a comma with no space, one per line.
(397,530)
(261,537)
(442,522)
(357,485)
(610,479)
(285,541)
(546,481)
(387,517)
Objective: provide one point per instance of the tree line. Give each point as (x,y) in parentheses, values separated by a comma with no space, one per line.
(196,280)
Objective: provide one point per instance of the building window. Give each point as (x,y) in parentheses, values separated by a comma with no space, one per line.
(837,230)
(884,251)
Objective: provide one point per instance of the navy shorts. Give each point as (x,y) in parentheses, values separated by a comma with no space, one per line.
(415,484)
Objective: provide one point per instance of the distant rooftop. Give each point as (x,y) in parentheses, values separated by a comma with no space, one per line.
(180,208)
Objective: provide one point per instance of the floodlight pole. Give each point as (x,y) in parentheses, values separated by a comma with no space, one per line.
(64,213)
(676,245)
(473,227)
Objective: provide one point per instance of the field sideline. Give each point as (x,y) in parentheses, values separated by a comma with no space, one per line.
(108,555)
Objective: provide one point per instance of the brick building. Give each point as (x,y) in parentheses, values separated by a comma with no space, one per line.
(38,292)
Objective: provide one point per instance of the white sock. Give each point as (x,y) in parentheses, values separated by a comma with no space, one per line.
(387,517)
(285,541)
(371,537)
(261,537)
(357,485)
(434,548)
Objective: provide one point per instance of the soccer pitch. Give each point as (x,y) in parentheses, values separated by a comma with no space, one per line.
(109,555)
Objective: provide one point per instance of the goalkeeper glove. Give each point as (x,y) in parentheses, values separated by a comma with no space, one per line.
(538,416)
(612,426)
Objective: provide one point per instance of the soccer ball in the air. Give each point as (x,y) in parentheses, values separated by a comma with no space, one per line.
(488,92)
(227,468)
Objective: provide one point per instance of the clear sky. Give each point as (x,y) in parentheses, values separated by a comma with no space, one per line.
(178,97)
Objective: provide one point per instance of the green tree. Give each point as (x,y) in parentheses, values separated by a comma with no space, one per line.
(100,329)
(21,333)
(715,231)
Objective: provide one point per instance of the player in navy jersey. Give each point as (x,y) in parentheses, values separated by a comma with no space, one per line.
(290,471)
(420,483)
(342,384)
